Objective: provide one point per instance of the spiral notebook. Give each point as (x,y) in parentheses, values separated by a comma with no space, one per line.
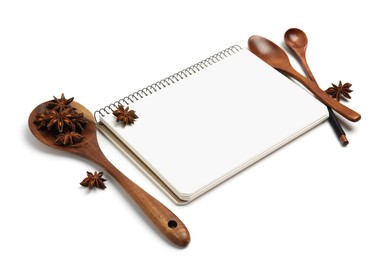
(210,121)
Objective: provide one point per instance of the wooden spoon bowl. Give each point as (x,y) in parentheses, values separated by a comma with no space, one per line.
(297,41)
(296,38)
(167,222)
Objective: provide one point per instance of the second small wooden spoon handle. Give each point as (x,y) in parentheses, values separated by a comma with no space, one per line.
(306,68)
(164,219)
(324,98)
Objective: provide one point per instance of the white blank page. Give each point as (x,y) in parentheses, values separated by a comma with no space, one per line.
(199,131)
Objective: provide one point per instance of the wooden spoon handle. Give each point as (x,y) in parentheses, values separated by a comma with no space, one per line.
(323,97)
(302,59)
(164,219)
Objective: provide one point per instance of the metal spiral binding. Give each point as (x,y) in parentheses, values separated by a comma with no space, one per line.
(155,87)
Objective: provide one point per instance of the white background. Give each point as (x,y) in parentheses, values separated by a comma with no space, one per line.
(312,199)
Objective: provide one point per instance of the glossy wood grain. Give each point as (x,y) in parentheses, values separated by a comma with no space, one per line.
(297,41)
(165,221)
(276,57)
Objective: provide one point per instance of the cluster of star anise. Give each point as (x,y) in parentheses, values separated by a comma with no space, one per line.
(62,119)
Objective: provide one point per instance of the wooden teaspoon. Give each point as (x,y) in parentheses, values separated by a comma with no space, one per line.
(297,41)
(167,222)
(276,57)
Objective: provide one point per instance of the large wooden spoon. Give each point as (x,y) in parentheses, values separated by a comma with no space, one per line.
(297,41)
(167,222)
(276,57)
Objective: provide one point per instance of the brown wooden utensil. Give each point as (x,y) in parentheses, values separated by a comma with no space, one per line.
(167,222)
(276,57)
(297,41)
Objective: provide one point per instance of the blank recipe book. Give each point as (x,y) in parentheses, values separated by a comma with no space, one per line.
(210,121)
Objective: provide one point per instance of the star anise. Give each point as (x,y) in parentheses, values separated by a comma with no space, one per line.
(340,90)
(94,180)
(79,122)
(41,119)
(125,115)
(63,119)
(69,138)
(59,104)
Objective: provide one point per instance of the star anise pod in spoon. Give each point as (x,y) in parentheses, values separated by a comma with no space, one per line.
(41,119)
(70,138)
(59,104)
(79,122)
(94,180)
(340,90)
(61,120)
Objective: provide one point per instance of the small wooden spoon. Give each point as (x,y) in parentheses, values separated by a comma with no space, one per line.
(167,222)
(297,41)
(276,57)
